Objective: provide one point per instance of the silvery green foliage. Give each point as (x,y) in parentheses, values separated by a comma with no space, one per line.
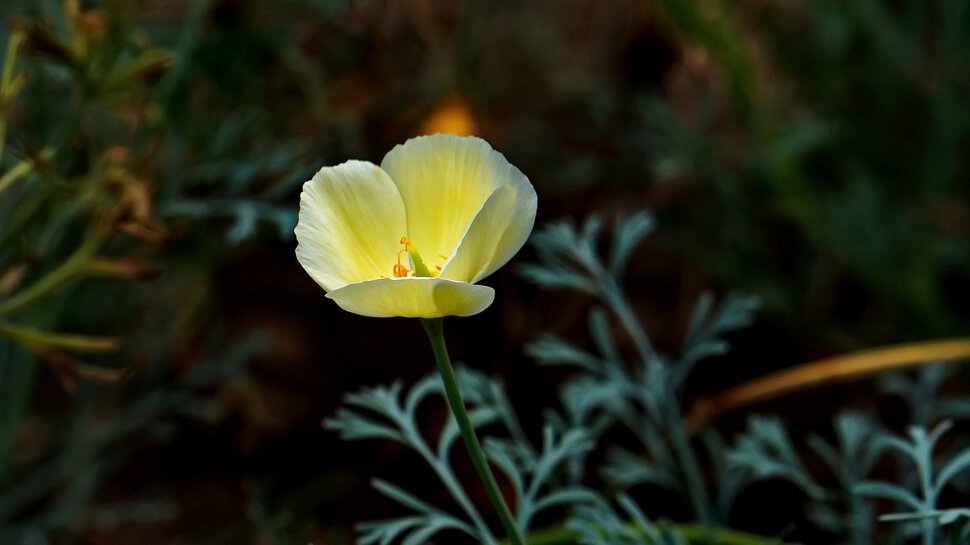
(639,389)
(850,459)
(386,412)
(530,471)
(239,199)
(921,391)
(923,515)
(924,394)
(730,479)
(570,259)
(601,524)
(766,451)
(643,395)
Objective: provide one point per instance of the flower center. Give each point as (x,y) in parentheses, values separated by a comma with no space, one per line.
(420,269)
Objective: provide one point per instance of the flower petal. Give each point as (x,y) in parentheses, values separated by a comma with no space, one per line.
(413,297)
(444,180)
(350,225)
(498,231)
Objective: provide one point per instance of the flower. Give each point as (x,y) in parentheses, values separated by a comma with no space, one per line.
(413,236)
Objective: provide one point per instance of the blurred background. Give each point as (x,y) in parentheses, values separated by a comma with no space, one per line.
(165,363)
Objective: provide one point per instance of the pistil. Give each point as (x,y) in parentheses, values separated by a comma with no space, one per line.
(420,269)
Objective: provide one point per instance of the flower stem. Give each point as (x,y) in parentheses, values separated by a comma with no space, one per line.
(435,329)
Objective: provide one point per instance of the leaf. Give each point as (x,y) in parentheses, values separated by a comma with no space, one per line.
(942,516)
(601,524)
(826,453)
(554,452)
(949,516)
(855,431)
(548,349)
(890,491)
(567,259)
(766,451)
(380,399)
(707,327)
(404,497)
(627,235)
(951,469)
(420,535)
(502,454)
(420,391)
(384,532)
(480,416)
(476,387)
(40,339)
(585,395)
(900,446)
(627,470)
(936,433)
(633,511)
(602,335)
(551,277)
(566,496)
(353,426)
(699,318)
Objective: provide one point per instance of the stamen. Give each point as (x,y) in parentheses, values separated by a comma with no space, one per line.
(420,269)
(400,271)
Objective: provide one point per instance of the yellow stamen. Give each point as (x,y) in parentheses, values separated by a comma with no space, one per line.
(400,271)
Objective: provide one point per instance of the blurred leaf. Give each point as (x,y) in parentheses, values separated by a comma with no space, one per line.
(766,451)
(627,233)
(38,339)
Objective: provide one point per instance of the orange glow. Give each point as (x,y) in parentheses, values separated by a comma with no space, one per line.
(451,116)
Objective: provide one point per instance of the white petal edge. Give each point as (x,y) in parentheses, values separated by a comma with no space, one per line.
(498,231)
(413,298)
(350,224)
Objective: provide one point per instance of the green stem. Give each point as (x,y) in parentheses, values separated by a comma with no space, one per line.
(8,87)
(614,298)
(435,329)
(67,271)
(22,168)
(692,474)
(925,452)
(32,336)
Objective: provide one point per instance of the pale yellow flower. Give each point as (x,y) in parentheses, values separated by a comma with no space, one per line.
(413,236)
